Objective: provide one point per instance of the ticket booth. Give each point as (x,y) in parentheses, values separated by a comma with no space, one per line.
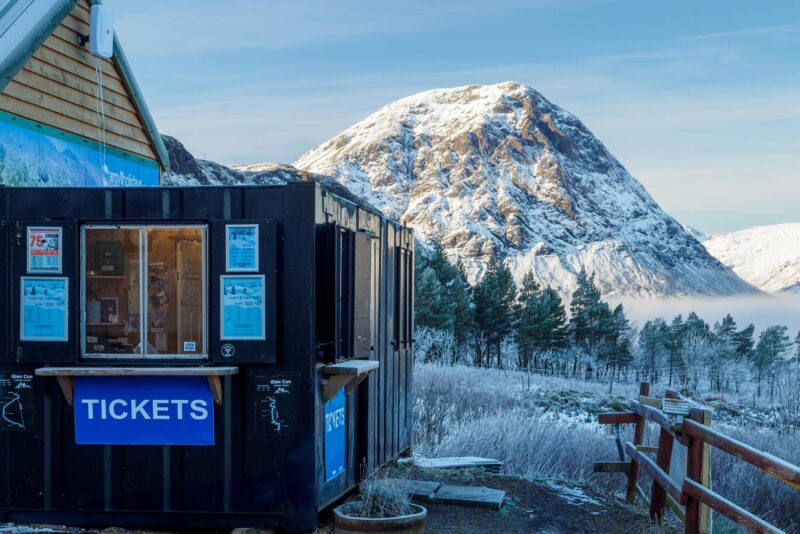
(198,357)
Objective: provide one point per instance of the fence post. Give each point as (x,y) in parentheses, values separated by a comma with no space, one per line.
(638,439)
(658,497)
(697,470)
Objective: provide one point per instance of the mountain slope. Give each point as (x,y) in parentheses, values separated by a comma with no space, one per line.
(766,256)
(499,171)
(186,170)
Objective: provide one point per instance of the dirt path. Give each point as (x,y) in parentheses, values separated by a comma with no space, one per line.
(533,507)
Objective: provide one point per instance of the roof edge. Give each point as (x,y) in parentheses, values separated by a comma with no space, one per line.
(33,40)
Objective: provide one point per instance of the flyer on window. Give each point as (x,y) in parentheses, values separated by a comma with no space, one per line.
(44,250)
(242,314)
(241,247)
(43,313)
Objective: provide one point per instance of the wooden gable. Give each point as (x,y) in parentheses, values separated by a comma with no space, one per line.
(58,87)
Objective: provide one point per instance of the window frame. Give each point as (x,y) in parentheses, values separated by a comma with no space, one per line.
(143,283)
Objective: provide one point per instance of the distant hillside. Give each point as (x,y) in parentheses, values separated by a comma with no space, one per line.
(766,256)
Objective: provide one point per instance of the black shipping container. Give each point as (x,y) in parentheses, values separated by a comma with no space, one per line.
(338,295)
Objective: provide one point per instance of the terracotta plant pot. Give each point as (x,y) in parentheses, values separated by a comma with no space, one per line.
(413,523)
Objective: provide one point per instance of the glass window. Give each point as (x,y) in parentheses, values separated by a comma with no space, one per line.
(159,314)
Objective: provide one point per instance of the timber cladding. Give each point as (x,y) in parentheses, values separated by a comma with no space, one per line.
(58,87)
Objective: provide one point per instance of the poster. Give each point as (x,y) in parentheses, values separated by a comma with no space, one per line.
(43,309)
(243,307)
(17,401)
(335,436)
(44,250)
(274,402)
(241,247)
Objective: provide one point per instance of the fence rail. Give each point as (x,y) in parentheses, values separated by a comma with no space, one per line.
(681,475)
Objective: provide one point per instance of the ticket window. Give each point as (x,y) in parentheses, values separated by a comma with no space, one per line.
(144,291)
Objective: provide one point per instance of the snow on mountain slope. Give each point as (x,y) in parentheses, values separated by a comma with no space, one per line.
(499,171)
(766,256)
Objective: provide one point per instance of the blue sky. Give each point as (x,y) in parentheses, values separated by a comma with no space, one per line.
(699,100)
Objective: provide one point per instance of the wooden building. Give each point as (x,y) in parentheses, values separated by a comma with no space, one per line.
(187,357)
(85,113)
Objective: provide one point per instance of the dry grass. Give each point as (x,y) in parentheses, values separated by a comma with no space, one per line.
(545,427)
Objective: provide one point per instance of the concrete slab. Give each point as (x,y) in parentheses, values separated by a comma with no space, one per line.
(478,496)
(456,462)
(418,489)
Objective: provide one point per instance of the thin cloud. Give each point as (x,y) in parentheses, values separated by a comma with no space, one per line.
(745,32)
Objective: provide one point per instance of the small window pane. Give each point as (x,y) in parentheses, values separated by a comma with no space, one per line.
(113,297)
(175,291)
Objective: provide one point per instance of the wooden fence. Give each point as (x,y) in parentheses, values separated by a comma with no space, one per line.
(680,464)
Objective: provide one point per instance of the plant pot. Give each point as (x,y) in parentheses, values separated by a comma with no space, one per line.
(413,523)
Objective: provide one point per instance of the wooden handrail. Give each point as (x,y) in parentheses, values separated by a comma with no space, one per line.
(657,416)
(617,418)
(763,460)
(656,473)
(727,508)
(694,432)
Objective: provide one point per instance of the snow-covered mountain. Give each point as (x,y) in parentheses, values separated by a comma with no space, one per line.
(186,170)
(697,234)
(499,171)
(766,256)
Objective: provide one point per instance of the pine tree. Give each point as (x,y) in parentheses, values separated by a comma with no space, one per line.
(494,302)
(773,345)
(797,348)
(743,342)
(653,346)
(461,296)
(433,307)
(696,326)
(675,334)
(541,320)
(591,320)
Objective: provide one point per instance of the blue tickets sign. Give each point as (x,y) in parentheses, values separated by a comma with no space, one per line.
(143,410)
(335,435)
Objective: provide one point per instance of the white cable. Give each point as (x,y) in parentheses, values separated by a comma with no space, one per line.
(101,114)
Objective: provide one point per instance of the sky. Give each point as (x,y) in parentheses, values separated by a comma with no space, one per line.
(698,100)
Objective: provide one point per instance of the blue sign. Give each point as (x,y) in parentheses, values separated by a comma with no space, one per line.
(143,410)
(242,314)
(335,435)
(241,247)
(34,155)
(43,309)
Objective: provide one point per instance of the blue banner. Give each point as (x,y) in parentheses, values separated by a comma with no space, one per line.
(335,435)
(34,155)
(143,410)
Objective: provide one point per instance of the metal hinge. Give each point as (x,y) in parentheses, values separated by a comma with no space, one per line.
(19,353)
(18,233)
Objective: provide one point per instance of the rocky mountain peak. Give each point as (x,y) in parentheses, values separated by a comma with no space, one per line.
(500,171)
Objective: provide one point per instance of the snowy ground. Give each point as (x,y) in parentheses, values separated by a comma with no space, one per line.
(545,427)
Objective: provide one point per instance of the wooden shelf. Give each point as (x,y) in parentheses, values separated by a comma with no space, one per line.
(348,374)
(64,375)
